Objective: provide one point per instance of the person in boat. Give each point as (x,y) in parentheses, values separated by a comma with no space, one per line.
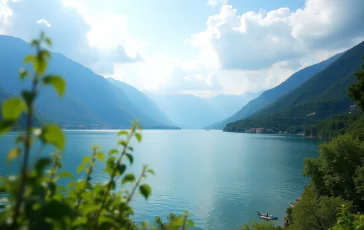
(267,215)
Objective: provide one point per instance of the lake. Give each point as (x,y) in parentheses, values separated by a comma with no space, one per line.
(221,178)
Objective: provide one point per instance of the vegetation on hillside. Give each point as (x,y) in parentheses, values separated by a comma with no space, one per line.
(270,96)
(321,97)
(334,198)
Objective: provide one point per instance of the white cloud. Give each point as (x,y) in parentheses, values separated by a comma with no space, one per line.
(237,52)
(215,3)
(5,14)
(44,22)
(97,42)
(168,75)
(256,40)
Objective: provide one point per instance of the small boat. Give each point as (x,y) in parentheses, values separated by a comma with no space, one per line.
(270,217)
(266,217)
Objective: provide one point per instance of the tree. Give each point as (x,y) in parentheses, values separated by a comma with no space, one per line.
(315,212)
(335,171)
(348,221)
(356,90)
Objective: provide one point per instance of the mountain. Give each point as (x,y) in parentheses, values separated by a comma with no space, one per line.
(270,96)
(193,112)
(185,110)
(227,104)
(322,96)
(142,102)
(91,101)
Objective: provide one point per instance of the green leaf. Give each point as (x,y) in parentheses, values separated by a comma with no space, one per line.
(122,143)
(120,169)
(138,137)
(176,223)
(28,97)
(151,171)
(34,43)
(65,174)
(100,156)
(131,148)
(29,58)
(15,152)
(40,65)
(113,151)
(48,41)
(12,108)
(130,157)
(123,132)
(6,126)
(190,223)
(23,73)
(80,168)
(86,160)
(52,134)
(128,178)
(145,190)
(45,54)
(42,163)
(57,82)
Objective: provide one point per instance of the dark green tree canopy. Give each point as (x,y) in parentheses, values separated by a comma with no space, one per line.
(356,91)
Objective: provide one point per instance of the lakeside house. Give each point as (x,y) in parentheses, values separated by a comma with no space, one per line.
(259,130)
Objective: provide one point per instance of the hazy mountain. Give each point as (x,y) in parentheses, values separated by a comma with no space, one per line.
(193,112)
(90,98)
(142,102)
(270,96)
(324,95)
(227,104)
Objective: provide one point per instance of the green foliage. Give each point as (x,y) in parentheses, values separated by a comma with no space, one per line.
(261,226)
(356,90)
(337,170)
(348,221)
(34,200)
(174,222)
(338,125)
(322,96)
(315,212)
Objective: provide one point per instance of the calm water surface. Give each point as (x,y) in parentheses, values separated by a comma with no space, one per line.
(222,179)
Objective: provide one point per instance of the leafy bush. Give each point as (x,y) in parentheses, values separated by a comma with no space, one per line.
(348,221)
(34,200)
(315,212)
(261,226)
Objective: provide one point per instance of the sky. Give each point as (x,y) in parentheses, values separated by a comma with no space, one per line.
(201,47)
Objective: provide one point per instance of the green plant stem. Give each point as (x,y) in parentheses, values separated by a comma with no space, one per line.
(137,183)
(184,221)
(88,179)
(112,179)
(27,140)
(133,191)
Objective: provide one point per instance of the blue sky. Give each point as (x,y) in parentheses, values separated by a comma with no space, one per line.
(201,47)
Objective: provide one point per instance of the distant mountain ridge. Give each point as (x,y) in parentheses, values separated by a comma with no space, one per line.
(322,96)
(270,96)
(90,101)
(193,112)
(143,102)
